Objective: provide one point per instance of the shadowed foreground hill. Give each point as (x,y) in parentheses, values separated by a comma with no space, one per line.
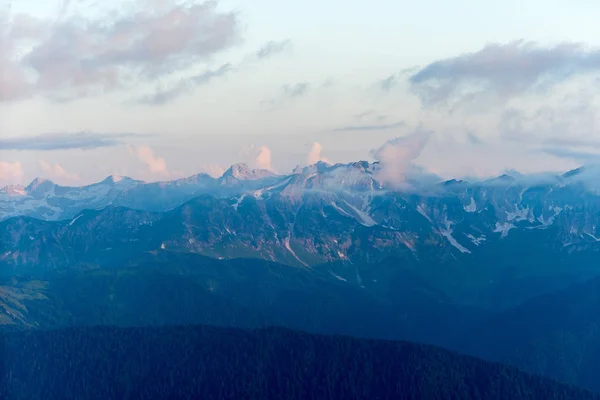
(225,363)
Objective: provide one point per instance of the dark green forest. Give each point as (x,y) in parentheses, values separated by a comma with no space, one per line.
(200,362)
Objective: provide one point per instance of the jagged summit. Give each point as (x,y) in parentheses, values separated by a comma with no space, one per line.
(242,172)
(39,184)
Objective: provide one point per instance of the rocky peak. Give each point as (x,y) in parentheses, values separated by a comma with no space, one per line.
(13,190)
(39,185)
(242,172)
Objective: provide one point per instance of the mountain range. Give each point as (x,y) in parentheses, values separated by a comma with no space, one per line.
(525,230)
(505,269)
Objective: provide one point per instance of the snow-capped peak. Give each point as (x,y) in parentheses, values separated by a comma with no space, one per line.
(242,172)
(39,184)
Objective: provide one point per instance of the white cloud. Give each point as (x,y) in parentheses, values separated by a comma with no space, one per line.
(396,156)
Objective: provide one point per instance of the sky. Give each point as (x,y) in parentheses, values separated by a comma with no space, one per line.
(161,89)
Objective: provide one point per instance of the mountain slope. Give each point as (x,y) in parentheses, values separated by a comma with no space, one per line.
(175,288)
(219,363)
(453,239)
(557,335)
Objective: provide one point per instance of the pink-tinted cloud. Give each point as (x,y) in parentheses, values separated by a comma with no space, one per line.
(156,165)
(397,155)
(57,171)
(213,170)
(314,155)
(10,170)
(263,158)
(73,57)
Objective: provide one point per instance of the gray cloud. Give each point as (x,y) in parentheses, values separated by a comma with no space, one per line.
(66,141)
(187,85)
(572,122)
(501,71)
(379,127)
(388,83)
(272,48)
(295,90)
(74,57)
(391,81)
(474,139)
(576,155)
(364,114)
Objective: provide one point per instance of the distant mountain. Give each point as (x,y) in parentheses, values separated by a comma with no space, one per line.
(46,200)
(220,363)
(242,172)
(473,241)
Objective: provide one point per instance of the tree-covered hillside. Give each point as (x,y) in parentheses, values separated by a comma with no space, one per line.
(195,362)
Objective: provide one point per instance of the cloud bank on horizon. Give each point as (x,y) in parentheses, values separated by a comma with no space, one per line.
(174,88)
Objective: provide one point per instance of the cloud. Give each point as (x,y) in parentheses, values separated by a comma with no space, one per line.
(10,170)
(388,83)
(155,165)
(272,48)
(64,141)
(364,114)
(572,122)
(392,81)
(474,139)
(289,92)
(295,90)
(213,170)
(137,42)
(263,158)
(57,171)
(396,156)
(314,155)
(580,156)
(186,85)
(379,127)
(499,72)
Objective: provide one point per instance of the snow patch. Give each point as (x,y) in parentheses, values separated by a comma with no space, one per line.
(286,243)
(365,217)
(593,237)
(503,228)
(238,202)
(75,219)
(340,210)
(476,240)
(471,207)
(421,211)
(447,233)
(338,277)
(520,214)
